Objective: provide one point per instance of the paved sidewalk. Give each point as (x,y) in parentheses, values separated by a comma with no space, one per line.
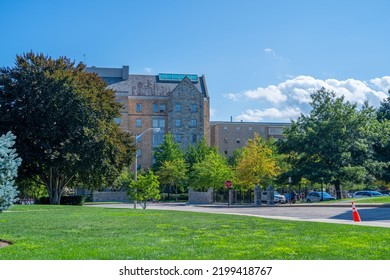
(371,215)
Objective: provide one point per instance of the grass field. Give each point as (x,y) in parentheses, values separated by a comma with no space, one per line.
(82,233)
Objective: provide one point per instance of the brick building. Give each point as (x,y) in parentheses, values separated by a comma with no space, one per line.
(174,103)
(228,136)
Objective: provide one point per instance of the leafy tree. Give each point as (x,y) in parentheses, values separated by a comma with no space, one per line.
(169,150)
(63,118)
(335,142)
(383,151)
(198,152)
(173,173)
(145,188)
(257,163)
(212,172)
(9,163)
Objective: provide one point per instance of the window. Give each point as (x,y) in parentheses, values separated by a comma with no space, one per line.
(138,108)
(177,107)
(162,108)
(193,123)
(194,108)
(139,153)
(276,130)
(139,139)
(178,123)
(158,137)
(138,122)
(178,138)
(117,121)
(194,138)
(238,140)
(155,108)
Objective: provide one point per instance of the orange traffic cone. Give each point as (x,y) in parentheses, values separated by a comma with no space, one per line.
(355,214)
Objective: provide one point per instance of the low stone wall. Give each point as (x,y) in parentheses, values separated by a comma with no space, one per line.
(110,197)
(200,197)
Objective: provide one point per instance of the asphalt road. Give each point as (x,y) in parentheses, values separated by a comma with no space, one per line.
(376,215)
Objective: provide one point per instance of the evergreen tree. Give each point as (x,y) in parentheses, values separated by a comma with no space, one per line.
(9,163)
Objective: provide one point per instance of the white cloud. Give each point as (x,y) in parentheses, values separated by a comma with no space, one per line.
(148,70)
(270,113)
(273,53)
(291,97)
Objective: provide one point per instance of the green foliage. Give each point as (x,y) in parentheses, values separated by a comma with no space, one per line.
(212,172)
(173,173)
(145,188)
(63,118)
(65,200)
(198,152)
(169,150)
(9,163)
(335,142)
(257,164)
(31,188)
(383,151)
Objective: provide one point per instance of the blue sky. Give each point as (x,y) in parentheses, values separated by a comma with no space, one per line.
(261,58)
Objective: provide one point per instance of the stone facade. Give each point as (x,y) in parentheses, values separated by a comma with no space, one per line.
(174,103)
(200,197)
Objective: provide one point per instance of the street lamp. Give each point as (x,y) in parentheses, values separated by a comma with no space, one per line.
(137,136)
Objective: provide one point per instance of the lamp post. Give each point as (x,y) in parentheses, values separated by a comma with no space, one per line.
(155,129)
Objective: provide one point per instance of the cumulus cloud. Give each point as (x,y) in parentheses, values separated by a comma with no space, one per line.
(269,113)
(290,98)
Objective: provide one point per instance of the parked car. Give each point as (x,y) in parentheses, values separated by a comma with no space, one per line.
(318,196)
(385,192)
(361,194)
(279,198)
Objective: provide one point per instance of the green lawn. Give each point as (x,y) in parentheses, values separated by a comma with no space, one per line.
(79,233)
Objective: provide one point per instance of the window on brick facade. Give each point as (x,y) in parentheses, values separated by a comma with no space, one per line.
(178,123)
(194,108)
(155,108)
(193,123)
(177,107)
(178,138)
(138,122)
(162,108)
(138,108)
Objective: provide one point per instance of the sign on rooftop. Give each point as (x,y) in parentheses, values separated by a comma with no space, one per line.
(164,77)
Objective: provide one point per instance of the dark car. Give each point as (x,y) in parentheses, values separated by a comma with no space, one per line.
(361,194)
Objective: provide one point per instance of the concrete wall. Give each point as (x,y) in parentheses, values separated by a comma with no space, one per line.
(110,197)
(200,197)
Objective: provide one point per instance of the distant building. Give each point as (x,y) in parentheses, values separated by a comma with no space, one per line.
(175,103)
(228,136)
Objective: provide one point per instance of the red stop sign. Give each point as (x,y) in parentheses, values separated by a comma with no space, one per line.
(228,184)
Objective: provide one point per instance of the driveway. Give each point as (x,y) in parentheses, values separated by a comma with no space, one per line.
(375,215)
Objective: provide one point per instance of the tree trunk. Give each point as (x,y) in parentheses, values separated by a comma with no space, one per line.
(337,186)
(55,185)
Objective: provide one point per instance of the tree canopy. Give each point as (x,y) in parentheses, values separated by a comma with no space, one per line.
(63,118)
(335,142)
(257,163)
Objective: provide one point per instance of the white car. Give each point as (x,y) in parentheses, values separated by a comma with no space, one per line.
(279,198)
(318,196)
